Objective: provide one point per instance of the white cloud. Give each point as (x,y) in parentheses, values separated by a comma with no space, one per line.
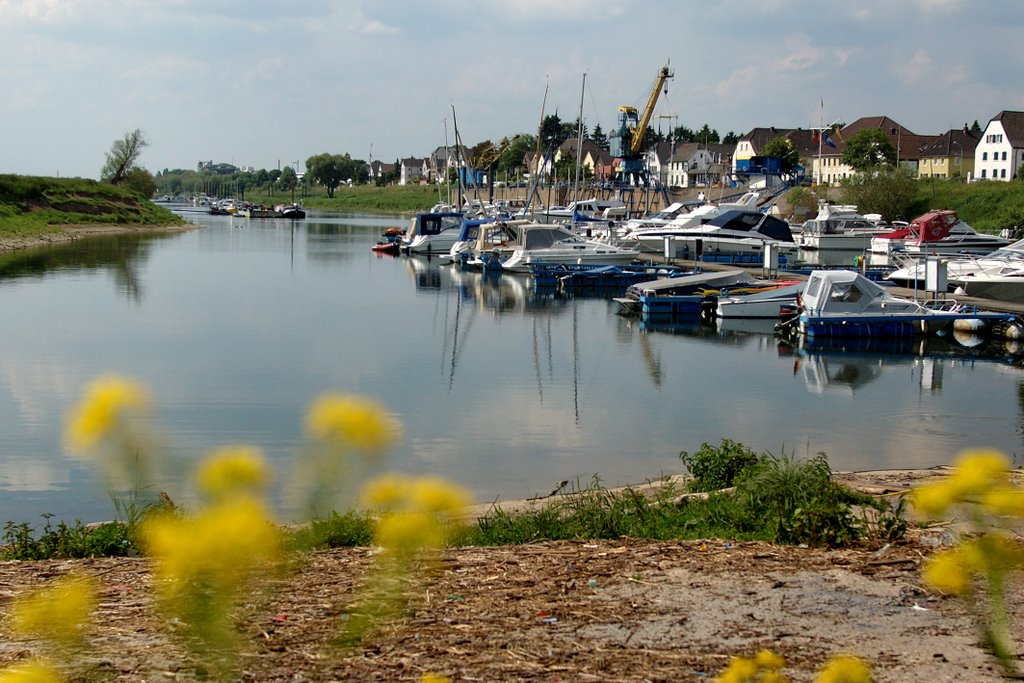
(918,68)
(374,27)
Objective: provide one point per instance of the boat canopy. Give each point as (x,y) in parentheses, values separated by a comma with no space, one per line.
(544,236)
(840,291)
(434,223)
(753,221)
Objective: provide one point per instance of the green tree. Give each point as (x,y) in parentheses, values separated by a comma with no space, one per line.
(867,149)
(288,178)
(684,134)
(888,190)
(976,128)
(123,157)
(141,182)
(784,150)
(327,170)
(707,135)
(599,138)
(731,138)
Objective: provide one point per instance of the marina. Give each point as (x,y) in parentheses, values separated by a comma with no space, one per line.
(502,383)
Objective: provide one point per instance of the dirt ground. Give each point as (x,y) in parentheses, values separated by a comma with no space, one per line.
(625,610)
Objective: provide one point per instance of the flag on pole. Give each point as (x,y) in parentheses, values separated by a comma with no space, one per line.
(827,140)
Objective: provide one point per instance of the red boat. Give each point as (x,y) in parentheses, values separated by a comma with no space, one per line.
(387,247)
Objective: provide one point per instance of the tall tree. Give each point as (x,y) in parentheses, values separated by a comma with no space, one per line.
(869,148)
(976,128)
(326,170)
(784,150)
(731,138)
(123,157)
(599,138)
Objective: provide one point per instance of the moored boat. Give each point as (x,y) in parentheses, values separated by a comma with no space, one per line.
(844,303)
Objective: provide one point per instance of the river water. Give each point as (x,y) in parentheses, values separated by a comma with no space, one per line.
(503,387)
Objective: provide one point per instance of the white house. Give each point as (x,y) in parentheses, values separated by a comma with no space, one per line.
(413,170)
(1000,153)
(694,164)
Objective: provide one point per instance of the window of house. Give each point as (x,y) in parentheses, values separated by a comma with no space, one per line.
(1004,156)
(983,173)
(984,156)
(1003,173)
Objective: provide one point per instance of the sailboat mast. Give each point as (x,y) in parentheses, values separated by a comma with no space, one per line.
(579,148)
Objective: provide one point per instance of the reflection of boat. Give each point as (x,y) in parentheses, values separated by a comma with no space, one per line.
(844,303)
(851,362)
(936,232)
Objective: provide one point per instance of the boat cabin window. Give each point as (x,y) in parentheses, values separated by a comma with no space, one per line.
(776,229)
(813,288)
(845,292)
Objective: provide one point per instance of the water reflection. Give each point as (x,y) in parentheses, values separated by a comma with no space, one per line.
(121,255)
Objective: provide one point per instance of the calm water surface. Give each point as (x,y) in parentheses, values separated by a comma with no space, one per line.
(237,326)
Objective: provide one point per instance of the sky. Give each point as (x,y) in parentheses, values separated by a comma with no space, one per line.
(265,84)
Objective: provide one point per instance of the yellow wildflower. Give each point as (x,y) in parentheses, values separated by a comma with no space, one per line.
(404,533)
(221,544)
(740,670)
(933,499)
(30,672)
(978,470)
(845,669)
(233,469)
(948,572)
(352,422)
(431,678)
(766,659)
(1005,500)
(434,494)
(387,492)
(108,401)
(60,612)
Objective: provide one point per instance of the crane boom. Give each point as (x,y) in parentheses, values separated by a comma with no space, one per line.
(638,133)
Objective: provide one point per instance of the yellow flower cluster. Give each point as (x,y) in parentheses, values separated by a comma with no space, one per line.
(108,402)
(232,471)
(764,667)
(414,510)
(845,669)
(980,475)
(30,672)
(219,546)
(352,422)
(59,613)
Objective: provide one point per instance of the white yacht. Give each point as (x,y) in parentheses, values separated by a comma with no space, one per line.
(732,233)
(998,275)
(839,226)
(433,232)
(937,232)
(652,237)
(551,243)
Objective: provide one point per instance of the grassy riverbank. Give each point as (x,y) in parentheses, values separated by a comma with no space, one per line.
(34,207)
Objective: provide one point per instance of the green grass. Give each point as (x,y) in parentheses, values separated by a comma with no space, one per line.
(986,206)
(360,199)
(775,499)
(35,205)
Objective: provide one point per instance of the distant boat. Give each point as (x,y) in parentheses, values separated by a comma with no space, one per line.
(292,211)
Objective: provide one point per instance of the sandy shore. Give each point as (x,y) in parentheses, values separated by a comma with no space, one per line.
(70,233)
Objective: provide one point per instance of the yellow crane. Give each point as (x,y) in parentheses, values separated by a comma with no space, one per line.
(628,143)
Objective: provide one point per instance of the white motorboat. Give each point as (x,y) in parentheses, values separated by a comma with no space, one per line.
(1004,260)
(732,233)
(658,218)
(652,237)
(937,232)
(838,226)
(433,232)
(844,303)
(552,243)
(766,304)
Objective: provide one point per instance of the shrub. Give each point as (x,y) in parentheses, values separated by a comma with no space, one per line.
(714,468)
